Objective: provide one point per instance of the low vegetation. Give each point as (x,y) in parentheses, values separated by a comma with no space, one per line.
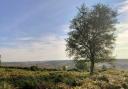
(11,78)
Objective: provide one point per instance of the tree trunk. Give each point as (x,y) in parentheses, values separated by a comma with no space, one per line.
(92,67)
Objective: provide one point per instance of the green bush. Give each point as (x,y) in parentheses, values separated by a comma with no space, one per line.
(81,64)
(72,82)
(34,68)
(73,69)
(55,78)
(25,83)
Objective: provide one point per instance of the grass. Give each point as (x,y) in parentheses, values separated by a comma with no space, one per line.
(11,78)
(28,79)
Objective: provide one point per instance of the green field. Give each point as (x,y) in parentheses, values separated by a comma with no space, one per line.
(11,78)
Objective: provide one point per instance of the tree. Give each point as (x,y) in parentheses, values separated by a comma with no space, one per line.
(92,34)
(81,64)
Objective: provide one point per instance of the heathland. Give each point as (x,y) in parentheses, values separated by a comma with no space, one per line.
(36,78)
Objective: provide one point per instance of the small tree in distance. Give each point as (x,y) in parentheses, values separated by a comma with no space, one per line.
(93,34)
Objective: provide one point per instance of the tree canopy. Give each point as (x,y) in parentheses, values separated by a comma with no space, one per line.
(92,34)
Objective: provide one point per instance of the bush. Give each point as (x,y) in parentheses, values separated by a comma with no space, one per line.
(113,86)
(81,64)
(103,78)
(56,78)
(72,82)
(104,68)
(34,68)
(73,69)
(25,82)
(45,85)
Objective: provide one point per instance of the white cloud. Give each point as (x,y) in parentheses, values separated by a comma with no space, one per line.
(122,33)
(123,7)
(121,49)
(122,27)
(122,38)
(48,48)
(25,38)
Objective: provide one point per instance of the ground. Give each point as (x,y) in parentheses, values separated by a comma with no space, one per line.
(11,78)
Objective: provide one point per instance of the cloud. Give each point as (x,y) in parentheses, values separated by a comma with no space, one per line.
(25,38)
(46,48)
(121,27)
(123,7)
(121,49)
(122,36)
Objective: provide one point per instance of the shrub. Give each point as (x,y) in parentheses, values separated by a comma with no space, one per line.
(72,82)
(34,68)
(81,64)
(103,78)
(45,85)
(25,83)
(63,68)
(113,86)
(73,69)
(104,68)
(55,77)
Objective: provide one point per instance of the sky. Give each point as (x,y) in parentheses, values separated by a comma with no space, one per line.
(35,30)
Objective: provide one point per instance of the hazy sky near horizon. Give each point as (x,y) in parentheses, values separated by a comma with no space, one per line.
(34,30)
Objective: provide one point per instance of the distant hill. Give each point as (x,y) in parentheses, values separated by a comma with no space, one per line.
(41,64)
(119,63)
